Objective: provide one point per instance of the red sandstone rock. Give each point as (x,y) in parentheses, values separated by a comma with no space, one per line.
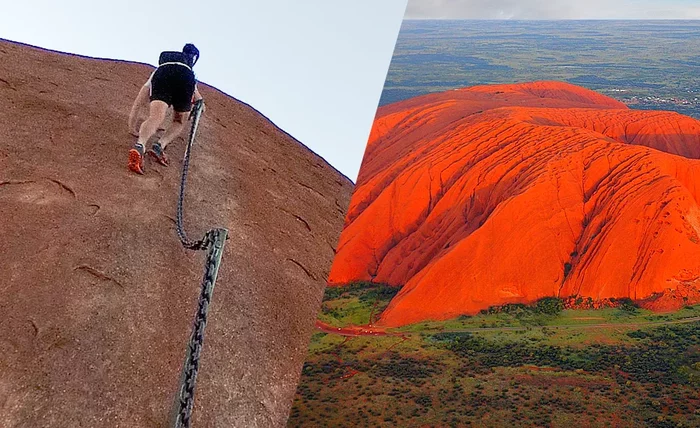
(510,193)
(97,295)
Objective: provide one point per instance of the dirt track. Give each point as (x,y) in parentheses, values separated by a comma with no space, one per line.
(354,331)
(351,330)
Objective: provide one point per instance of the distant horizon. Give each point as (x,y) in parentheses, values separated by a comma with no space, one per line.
(602,55)
(554,19)
(568,10)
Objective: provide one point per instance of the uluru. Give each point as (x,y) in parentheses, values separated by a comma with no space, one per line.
(499,194)
(97,295)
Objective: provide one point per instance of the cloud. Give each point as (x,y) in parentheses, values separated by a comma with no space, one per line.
(551,9)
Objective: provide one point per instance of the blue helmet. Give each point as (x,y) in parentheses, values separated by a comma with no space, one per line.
(191,52)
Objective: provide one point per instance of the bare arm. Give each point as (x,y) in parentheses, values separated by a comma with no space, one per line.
(197,96)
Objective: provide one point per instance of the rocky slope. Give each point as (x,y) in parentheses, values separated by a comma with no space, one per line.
(510,193)
(97,295)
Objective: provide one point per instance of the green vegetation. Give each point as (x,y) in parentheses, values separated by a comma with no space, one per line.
(548,312)
(514,365)
(656,356)
(357,303)
(549,306)
(628,305)
(544,306)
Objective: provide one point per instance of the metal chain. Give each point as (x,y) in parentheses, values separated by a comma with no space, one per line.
(202,243)
(214,241)
(185,398)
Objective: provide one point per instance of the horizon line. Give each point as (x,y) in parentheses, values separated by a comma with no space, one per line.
(552,19)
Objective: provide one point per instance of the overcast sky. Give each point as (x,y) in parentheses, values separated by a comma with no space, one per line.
(314,67)
(553,9)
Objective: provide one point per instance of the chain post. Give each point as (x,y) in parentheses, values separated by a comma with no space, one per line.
(184,400)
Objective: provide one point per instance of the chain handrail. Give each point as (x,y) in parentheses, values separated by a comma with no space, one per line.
(213,241)
(190,245)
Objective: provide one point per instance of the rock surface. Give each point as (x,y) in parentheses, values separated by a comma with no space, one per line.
(97,295)
(509,193)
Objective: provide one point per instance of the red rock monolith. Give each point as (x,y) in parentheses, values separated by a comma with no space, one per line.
(509,193)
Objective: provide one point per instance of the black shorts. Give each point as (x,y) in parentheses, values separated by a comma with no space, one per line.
(174,85)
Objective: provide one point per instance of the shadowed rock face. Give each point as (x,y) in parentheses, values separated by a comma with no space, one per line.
(510,193)
(97,295)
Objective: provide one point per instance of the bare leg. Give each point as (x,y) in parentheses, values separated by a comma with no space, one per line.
(156,114)
(175,129)
(140,102)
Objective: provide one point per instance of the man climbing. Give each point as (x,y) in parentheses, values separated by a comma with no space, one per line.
(171,84)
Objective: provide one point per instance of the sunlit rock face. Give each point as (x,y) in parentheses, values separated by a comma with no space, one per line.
(509,193)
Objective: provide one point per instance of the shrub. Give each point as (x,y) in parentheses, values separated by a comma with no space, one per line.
(626,304)
(549,306)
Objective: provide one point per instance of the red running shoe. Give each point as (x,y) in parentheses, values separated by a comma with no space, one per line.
(136,159)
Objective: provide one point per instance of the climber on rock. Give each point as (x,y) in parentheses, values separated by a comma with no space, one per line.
(172,84)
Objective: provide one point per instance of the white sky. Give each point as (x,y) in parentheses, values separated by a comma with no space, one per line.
(553,9)
(316,68)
